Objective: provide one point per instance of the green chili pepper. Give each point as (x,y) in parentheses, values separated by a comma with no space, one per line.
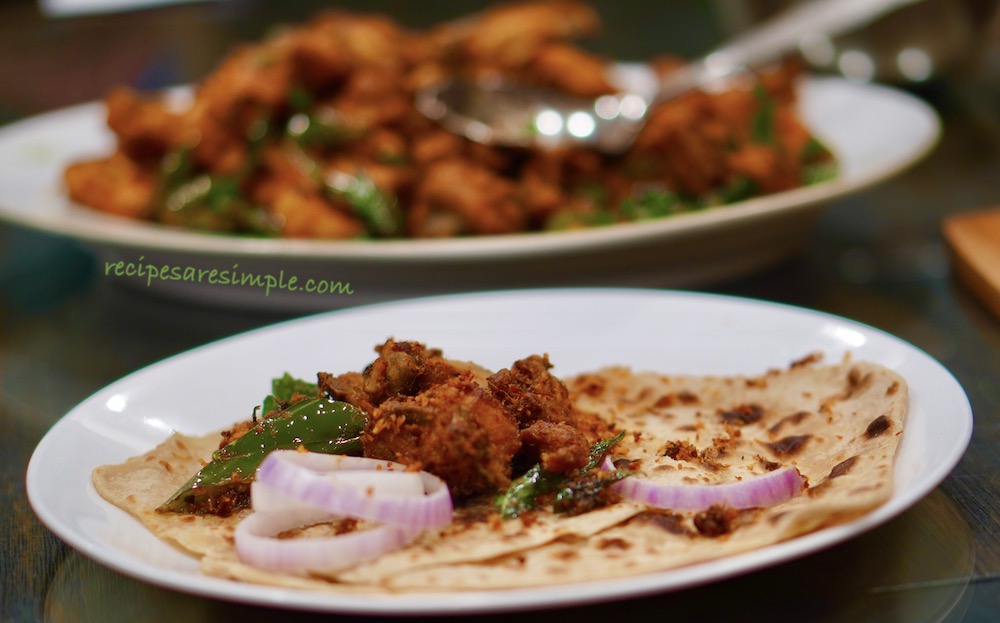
(223,485)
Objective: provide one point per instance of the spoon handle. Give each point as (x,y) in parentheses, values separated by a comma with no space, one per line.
(778,35)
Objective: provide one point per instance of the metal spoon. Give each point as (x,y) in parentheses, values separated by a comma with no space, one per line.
(505,113)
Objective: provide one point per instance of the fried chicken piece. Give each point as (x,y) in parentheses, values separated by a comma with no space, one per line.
(146,129)
(404,368)
(457,197)
(250,80)
(553,432)
(531,392)
(508,35)
(560,447)
(312,216)
(570,69)
(236,431)
(335,45)
(116,185)
(348,387)
(454,429)
(455,420)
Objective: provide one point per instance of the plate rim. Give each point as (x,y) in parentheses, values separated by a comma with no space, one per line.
(483,602)
(97,228)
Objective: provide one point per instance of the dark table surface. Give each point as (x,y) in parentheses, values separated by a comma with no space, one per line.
(877,257)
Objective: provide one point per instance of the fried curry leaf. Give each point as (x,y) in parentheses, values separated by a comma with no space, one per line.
(577,492)
(652,203)
(190,197)
(379,210)
(737,189)
(762,127)
(299,98)
(322,129)
(524,491)
(568,220)
(284,388)
(818,163)
(586,492)
(223,485)
(601,448)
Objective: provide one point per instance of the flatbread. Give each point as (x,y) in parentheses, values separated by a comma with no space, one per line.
(142,483)
(838,425)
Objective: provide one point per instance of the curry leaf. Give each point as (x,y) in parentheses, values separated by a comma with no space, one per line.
(577,492)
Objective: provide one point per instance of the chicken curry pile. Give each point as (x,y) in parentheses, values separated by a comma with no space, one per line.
(471,428)
(313,133)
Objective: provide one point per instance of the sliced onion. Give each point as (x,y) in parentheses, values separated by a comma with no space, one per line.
(759,491)
(257,544)
(267,498)
(294,489)
(303,476)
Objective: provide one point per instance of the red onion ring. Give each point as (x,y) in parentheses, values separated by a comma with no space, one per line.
(302,476)
(294,489)
(257,545)
(759,491)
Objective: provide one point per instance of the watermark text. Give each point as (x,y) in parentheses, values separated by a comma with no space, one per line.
(233,276)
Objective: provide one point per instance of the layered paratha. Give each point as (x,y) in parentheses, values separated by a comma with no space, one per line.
(838,426)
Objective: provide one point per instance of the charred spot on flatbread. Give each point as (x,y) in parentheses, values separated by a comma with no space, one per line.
(843,467)
(742,415)
(788,420)
(789,446)
(877,427)
(715,521)
(682,397)
(663,519)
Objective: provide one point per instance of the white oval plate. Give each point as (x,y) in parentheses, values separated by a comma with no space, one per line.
(581,329)
(875,132)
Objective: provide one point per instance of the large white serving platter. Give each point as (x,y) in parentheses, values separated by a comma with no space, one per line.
(875,131)
(581,329)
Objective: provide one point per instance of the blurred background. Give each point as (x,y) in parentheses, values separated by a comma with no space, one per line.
(55,53)
(59,52)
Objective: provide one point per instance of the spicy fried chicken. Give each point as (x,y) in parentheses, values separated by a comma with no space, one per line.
(455,430)
(463,424)
(457,421)
(313,132)
(553,431)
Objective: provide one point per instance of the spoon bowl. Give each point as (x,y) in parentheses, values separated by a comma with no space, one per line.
(498,112)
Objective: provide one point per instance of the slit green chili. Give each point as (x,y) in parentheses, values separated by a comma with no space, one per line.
(315,424)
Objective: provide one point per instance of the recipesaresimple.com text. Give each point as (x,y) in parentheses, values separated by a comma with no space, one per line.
(231,276)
